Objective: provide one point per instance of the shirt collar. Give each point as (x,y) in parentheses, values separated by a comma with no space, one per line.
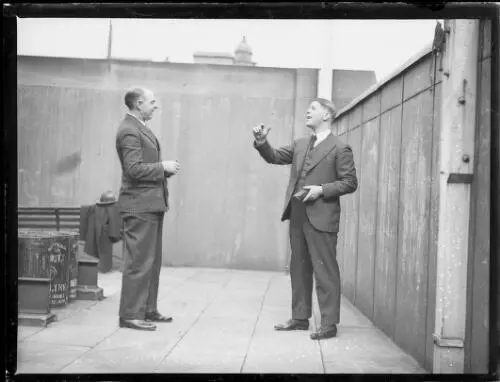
(323,135)
(142,122)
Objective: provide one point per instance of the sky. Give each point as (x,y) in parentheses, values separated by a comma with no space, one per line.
(379,45)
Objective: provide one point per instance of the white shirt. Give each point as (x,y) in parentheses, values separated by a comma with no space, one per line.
(144,123)
(320,137)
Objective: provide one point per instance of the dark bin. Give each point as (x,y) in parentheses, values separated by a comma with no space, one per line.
(71,242)
(34,271)
(33,253)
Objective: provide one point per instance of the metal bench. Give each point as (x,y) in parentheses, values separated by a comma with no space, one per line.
(36,311)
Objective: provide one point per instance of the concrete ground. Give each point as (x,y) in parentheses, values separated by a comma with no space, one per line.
(223,323)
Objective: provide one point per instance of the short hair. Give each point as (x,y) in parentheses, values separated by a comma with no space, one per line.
(132,96)
(327,104)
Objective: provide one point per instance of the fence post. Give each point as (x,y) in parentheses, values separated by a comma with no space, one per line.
(458,120)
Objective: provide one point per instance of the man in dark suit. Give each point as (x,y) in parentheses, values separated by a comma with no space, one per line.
(322,170)
(143,201)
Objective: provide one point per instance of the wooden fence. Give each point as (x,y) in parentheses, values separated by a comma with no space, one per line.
(387,246)
(388,236)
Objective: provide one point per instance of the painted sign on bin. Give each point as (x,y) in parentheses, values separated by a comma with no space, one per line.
(58,273)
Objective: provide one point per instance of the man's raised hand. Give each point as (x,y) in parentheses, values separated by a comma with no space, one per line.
(260,133)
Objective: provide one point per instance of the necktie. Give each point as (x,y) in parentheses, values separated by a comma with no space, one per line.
(314,138)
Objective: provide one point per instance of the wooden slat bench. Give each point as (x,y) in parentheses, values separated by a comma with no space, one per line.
(54,219)
(49,218)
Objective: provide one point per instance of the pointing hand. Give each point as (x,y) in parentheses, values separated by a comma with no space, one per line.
(260,133)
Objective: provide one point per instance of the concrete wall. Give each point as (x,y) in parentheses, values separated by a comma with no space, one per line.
(226,202)
(213,58)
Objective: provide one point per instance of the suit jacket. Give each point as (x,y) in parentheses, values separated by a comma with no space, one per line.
(87,226)
(100,228)
(332,167)
(144,181)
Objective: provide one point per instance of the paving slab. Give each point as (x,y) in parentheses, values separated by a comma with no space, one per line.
(40,358)
(73,309)
(283,352)
(196,290)
(139,359)
(73,334)
(234,309)
(180,363)
(24,332)
(271,315)
(350,315)
(217,335)
(177,306)
(286,352)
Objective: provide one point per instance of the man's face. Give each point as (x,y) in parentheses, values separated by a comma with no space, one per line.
(147,105)
(315,115)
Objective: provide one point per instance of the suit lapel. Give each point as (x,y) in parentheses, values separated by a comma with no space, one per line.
(322,150)
(148,133)
(301,154)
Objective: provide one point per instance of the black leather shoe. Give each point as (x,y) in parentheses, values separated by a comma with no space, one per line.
(324,333)
(136,324)
(293,325)
(157,317)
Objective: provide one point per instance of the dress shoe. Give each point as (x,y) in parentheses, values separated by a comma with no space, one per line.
(157,317)
(324,333)
(136,324)
(293,325)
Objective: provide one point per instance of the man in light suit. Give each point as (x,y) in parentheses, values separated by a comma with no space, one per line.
(143,201)
(322,171)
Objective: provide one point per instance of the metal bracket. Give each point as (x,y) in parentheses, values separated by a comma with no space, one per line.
(448,342)
(460,178)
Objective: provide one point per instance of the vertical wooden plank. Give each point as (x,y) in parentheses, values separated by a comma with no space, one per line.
(343,125)
(387,221)
(420,77)
(392,94)
(352,218)
(24,169)
(66,137)
(335,128)
(194,215)
(413,231)
(433,221)
(457,139)
(342,134)
(367,216)
(343,210)
(265,190)
(172,111)
(477,338)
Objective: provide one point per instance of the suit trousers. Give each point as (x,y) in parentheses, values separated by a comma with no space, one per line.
(313,253)
(142,239)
